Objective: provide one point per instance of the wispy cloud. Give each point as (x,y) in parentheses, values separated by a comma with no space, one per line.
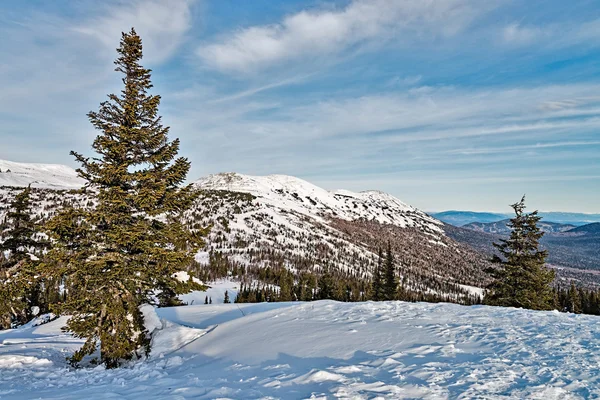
(319,32)
(162,25)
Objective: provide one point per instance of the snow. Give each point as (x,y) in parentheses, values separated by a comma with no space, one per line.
(47,176)
(293,194)
(324,349)
(216,290)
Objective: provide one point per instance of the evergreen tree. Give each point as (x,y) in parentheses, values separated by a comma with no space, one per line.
(390,284)
(286,281)
(118,254)
(574,300)
(377,288)
(326,286)
(206,300)
(226,299)
(210,300)
(20,289)
(521,279)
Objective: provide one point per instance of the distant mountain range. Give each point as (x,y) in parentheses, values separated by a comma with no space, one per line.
(575,253)
(502,228)
(461,218)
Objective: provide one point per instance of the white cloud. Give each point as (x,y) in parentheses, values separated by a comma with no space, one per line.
(516,34)
(325,32)
(161,24)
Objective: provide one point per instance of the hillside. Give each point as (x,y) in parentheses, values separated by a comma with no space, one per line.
(261,225)
(324,349)
(282,220)
(589,229)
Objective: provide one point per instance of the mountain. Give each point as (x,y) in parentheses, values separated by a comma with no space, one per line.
(261,225)
(48,176)
(282,220)
(575,253)
(576,219)
(502,228)
(589,229)
(321,350)
(460,218)
(295,195)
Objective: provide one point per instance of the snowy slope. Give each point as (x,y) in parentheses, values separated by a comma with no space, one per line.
(319,350)
(48,176)
(268,221)
(297,195)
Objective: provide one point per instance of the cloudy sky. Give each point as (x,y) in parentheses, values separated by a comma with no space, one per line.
(447,104)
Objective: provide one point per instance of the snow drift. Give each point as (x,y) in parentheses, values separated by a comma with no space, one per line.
(325,349)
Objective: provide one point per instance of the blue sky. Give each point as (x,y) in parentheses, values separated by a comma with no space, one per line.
(447,104)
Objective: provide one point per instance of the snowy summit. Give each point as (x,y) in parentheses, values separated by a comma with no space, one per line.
(45,176)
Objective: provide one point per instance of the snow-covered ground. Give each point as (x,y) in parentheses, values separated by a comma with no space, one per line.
(324,350)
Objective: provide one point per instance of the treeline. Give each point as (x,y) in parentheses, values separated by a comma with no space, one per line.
(280,283)
(577,300)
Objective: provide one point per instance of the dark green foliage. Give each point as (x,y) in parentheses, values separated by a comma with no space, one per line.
(226,299)
(116,255)
(286,282)
(20,288)
(390,284)
(574,300)
(377,285)
(521,279)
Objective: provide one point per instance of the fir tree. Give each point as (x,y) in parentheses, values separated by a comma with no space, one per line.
(117,255)
(574,300)
(210,300)
(390,284)
(206,300)
(521,279)
(377,287)
(326,286)
(286,281)
(20,289)
(226,299)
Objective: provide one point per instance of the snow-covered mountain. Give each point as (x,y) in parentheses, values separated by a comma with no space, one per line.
(48,176)
(296,195)
(285,222)
(281,220)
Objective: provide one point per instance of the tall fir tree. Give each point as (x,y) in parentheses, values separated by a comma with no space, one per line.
(521,279)
(377,285)
(20,288)
(117,255)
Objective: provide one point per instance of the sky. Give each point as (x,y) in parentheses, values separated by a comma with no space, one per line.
(446,104)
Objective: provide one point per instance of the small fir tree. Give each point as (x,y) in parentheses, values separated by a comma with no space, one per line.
(574,300)
(20,288)
(130,245)
(377,287)
(390,282)
(521,279)
(226,299)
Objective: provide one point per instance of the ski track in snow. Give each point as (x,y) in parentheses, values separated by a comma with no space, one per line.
(325,349)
